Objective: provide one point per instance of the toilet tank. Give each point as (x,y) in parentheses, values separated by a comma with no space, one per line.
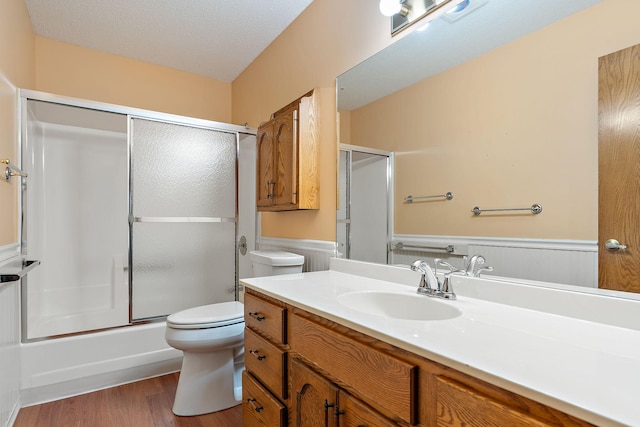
(273,263)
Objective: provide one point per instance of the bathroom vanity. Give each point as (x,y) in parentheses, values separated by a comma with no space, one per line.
(341,347)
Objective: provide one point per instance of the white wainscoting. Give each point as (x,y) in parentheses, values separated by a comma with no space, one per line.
(317,253)
(573,262)
(9,341)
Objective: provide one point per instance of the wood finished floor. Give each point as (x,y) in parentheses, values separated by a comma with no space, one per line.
(141,404)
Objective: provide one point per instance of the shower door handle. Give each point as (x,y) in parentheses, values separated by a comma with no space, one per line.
(242,246)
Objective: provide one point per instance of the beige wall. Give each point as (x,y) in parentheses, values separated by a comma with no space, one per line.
(74,71)
(551,160)
(327,39)
(32,62)
(16,71)
(511,128)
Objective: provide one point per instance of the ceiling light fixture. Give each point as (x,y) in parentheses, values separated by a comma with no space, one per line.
(406,12)
(393,7)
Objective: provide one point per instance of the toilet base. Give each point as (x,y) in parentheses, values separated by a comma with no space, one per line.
(208,383)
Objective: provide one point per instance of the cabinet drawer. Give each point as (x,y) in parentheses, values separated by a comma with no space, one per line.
(267,362)
(266,318)
(358,365)
(259,407)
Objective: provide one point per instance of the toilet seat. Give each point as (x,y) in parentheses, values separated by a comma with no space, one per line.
(208,316)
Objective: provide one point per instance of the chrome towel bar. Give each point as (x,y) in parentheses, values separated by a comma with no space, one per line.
(11,170)
(410,198)
(535,209)
(14,277)
(448,249)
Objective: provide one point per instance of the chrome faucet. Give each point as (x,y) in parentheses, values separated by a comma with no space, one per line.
(475,266)
(429,283)
(446,290)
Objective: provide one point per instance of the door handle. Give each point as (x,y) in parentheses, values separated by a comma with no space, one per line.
(614,245)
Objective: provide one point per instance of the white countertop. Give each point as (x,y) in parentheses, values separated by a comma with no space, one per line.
(583,367)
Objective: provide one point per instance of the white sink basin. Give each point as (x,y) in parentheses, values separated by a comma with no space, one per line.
(399,306)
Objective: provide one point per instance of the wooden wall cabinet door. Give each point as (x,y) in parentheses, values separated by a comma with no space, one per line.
(287,165)
(265,174)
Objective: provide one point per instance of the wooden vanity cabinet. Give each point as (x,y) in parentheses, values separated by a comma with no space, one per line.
(287,164)
(380,379)
(338,377)
(317,402)
(265,379)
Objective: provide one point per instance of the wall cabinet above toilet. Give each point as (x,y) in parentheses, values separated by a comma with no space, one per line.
(287,166)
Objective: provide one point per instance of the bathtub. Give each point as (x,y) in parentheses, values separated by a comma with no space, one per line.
(62,367)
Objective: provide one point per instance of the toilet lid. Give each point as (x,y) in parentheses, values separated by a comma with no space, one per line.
(208,316)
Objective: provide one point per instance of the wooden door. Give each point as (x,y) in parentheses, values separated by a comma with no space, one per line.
(619,169)
(314,398)
(265,184)
(285,137)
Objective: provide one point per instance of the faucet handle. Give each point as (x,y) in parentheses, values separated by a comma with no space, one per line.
(481,269)
(475,264)
(451,268)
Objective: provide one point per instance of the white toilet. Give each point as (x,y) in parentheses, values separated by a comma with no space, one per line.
(275,263)
(211,338)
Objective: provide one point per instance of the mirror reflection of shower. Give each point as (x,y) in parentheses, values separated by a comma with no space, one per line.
(133,214)
(364,215)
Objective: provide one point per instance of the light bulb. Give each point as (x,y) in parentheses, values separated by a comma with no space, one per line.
(390,7)
(460,6)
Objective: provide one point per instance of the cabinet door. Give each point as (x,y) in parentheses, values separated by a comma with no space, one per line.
(353,413)
(285,137)
(314,398)
(265,185)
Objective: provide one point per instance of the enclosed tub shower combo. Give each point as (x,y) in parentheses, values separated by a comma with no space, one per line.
(133,216)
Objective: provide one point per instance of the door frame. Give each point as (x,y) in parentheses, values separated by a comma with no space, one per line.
(349,149)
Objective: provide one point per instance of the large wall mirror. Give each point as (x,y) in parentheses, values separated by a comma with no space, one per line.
(498,106)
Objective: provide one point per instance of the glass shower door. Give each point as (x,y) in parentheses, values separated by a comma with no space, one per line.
(182,217)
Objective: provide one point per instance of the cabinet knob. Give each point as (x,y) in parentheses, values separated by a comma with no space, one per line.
(257,354)
(256,406)
(256,316)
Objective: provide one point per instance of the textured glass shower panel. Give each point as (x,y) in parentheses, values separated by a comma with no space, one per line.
(181,265)
(183,217)
(181,171)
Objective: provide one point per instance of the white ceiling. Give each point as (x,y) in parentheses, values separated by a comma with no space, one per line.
(213,38)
